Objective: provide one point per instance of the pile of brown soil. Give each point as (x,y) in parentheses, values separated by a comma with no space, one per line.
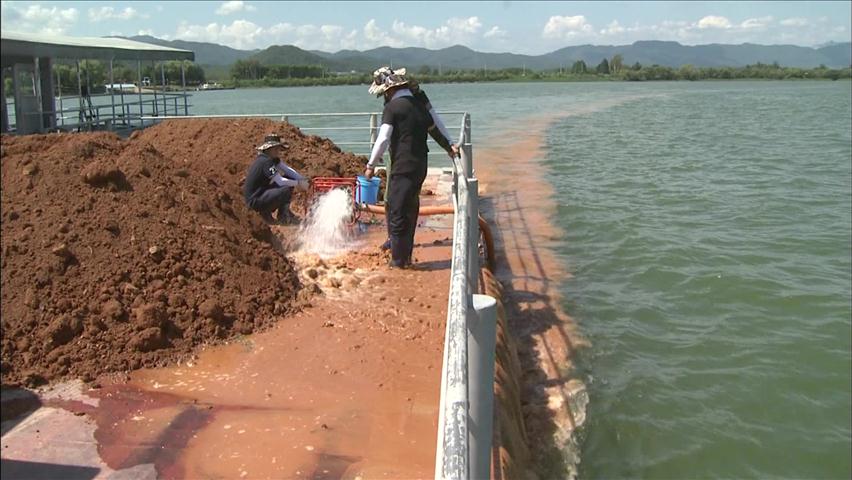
(118,254)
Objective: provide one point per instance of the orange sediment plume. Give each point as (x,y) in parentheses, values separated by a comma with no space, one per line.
(517,200)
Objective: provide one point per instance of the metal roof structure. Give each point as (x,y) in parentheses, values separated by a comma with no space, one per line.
(22,47)
(29,59)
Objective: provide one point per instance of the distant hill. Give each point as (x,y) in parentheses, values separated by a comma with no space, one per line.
(205,53)
(672,54)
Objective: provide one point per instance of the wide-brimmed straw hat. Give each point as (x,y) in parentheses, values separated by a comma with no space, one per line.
(272,140)
(386,78)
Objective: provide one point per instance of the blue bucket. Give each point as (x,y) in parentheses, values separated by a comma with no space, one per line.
(368,190)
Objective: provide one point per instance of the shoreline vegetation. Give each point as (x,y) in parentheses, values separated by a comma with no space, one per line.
(253,74)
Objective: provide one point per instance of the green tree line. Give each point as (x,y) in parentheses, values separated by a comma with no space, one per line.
(254,70)
(250,73)
(95,74)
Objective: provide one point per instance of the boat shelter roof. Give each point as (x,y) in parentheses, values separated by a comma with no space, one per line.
(22,47)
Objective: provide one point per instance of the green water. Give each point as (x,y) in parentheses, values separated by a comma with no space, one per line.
(709,235)
(708,229)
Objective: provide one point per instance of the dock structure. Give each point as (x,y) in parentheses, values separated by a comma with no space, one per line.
(37,103)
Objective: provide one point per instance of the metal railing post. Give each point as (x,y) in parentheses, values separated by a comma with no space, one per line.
(481,340)
(468,164)
(473,234)
(373,132)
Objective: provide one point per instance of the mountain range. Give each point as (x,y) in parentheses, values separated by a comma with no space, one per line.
(666,53)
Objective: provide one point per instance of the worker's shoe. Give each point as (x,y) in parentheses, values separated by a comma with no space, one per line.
(386,245)
(393,264)
(267,218)
(287,218)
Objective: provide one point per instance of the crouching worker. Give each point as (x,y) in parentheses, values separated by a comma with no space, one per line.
(270,182)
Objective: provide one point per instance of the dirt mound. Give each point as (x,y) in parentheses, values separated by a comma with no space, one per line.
(118,254)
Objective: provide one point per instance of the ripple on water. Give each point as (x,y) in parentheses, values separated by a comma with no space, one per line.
(709,236)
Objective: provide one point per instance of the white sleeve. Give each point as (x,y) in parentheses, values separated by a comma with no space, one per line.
(287,172)
(283,182)
(381,144)
(438,123)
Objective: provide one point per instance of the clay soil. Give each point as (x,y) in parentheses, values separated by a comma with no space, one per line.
(121,254)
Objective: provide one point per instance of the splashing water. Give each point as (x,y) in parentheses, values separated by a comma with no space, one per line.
(326,231)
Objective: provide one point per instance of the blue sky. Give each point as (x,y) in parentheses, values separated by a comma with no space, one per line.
(507,26)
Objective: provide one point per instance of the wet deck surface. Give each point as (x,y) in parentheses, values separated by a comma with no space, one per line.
(348,388)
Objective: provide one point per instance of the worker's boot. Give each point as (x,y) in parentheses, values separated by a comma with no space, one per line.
(286,217)
(399,252)
(267,217)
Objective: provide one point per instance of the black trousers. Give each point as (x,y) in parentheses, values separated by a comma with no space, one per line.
(403,205)
(275,198)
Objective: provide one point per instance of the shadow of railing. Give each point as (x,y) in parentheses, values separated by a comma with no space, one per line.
(524,282)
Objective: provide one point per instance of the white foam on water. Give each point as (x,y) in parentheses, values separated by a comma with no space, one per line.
(326,232)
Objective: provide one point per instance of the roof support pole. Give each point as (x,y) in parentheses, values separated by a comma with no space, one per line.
(112,94)
(139,89)
(154,88)
(48,100)
(4,115)
(37,92)
(80,115)
(61,113)
(124,120)
(90,115)
(163,84)
(16,91)
(183,85)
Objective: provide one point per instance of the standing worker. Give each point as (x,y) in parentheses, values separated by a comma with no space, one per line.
(269,182)
(420,96)
(405,124)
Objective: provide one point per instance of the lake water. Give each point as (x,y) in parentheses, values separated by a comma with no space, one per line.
(708,230)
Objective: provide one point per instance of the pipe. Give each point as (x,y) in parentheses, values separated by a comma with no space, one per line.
(444,210)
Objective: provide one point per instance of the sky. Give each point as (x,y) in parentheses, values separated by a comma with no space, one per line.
(532,28)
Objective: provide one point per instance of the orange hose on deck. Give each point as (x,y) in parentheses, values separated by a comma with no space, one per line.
(444,210)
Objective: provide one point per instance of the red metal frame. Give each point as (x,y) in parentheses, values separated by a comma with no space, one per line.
(320,185)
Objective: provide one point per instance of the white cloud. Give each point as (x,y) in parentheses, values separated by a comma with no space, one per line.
(495,32)
(234,6)
(148,32)
(465,25)
(453,31)
(614,28)
(756,23)
(376,37)
(567,27)
(794,22)
(108,13)
(240,34)
(36,18)
(714,21)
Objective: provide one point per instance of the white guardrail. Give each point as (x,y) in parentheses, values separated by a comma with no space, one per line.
(467,377)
